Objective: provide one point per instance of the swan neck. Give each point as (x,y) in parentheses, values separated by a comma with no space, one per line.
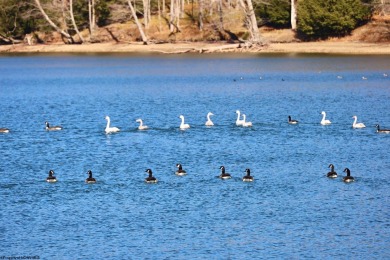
(354,122)
(108,123)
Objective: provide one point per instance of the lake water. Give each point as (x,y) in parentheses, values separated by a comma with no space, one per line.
(291,210)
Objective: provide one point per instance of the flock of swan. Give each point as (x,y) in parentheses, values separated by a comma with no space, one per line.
(240,121)
(223,175)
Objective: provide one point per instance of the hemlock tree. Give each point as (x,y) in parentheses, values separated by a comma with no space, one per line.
(320,19)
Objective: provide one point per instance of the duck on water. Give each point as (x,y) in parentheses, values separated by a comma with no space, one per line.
(51,178)
(180,171)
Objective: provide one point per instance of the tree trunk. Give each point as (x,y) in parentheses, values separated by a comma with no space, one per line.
(251,22)
(92,17)
(141,31)
(73,21)
(52,24)
(146,6)
(220,11)
(200,19)
(293,15)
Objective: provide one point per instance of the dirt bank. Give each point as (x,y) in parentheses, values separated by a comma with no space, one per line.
(354,48)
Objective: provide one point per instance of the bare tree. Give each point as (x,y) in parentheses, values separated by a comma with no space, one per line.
(293,14)
(146,6)
(92,17)
(174,16)
(139,26)
(251,22)
(52,24)
(200,18)
(73,21)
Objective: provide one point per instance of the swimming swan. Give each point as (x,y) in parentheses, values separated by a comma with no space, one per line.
(239,121)
(223,174)
(141,126)
(246,124)
(182,125)
(51,178)
(324,121)
(180,170)
(357,125)
(209,122)
(248,176)
(348,178)
(4,130)
(385,131)
(90,179)
(110,129)
(150,179)
(292,121)
(52,128)
(332,173)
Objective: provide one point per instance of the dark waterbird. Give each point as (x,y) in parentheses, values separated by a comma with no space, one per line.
(51,178)
(90,179)
(332,173)
(150,179)
(248,176)
(223,174)
(348,178)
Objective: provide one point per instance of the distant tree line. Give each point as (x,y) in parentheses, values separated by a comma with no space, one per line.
(311,19)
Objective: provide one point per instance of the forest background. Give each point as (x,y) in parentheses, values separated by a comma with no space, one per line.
(249,22)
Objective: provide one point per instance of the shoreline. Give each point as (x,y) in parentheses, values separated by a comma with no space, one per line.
(347,48)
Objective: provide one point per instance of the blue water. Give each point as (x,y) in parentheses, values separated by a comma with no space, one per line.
(291,210)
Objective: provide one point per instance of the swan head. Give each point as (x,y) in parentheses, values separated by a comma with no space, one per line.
(139,120)
(347,171)
(354,117)
(238,111)
(181,116)
(323,112)
(107,118)
(210,114)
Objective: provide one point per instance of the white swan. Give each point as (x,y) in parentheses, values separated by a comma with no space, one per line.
(209,122)
(324,121)
(110,129)
(182,125)
(141,124)
(246,124)
(357,125)
(239,121)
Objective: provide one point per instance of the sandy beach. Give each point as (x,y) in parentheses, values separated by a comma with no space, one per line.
(352,48)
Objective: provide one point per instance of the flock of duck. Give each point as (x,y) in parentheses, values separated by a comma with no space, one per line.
(332,174)
(151,179)
(240,121)
(223,175)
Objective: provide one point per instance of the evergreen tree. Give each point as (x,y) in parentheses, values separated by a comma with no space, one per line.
(320,19)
